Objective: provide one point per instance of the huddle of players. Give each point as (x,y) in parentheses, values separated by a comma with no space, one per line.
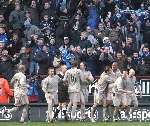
(113,88)
(117,89)
(66,84)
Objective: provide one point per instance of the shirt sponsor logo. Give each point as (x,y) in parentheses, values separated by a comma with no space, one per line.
(3,115)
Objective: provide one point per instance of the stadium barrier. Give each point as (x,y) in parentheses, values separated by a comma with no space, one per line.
(37,113)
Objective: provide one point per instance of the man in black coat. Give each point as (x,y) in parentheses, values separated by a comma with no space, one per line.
(43,60)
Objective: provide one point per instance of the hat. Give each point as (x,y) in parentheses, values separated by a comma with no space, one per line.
(27,23)
(105,38)
(66,38)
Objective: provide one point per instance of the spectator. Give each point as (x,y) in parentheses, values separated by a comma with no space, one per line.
(30,30)
(115,37)
(47,24)
(35,47)
(129,47)
(3,22)
(79,22)
(120,59)
(57,60)
(65,52)
(132,32)
(101,32)
(105,57)
(92,15)
(62,31)
(35,17)
(53,49)
(91,59)
(128,63)
(109,7)
(15,44)
(33,94)
(91,37)
(142,68)
(83,6)
(16,18)
(145,53)
(24,58)
(43,59)
(136,59)
(6,64)
(84,43)
(107,43)
(3,36)
(78,54)
(49,10)
(146,31)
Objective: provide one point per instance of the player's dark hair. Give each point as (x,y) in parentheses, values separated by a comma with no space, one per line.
(107,68)
(21,68)
(75,64)
(50,68)
(84,64)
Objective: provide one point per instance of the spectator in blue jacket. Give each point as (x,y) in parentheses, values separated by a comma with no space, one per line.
(3,36)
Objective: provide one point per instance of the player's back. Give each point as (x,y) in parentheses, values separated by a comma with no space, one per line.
(103,82)
(74,80)
(131,83)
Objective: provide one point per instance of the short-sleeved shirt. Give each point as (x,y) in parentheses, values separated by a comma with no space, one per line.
(73,77)
(120,83)
(103,82)
(84,82)
(131,82)
(19,82)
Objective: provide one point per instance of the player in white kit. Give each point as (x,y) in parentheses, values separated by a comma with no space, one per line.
(131,98)
(119,94)
(100,95)
(86,80)
(73,79)
(20,93)
(50,88)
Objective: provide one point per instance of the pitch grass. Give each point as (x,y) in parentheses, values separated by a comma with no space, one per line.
(76,124)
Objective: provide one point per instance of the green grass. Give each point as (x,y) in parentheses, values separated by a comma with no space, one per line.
(76,124)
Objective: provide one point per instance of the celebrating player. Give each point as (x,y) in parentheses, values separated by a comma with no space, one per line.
(86,78)
(73,78)
(20,93)
(119,94)
(63,96)
(50,88)
(101,92)
(130,87)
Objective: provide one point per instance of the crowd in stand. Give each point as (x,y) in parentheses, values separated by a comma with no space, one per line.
(43,34)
